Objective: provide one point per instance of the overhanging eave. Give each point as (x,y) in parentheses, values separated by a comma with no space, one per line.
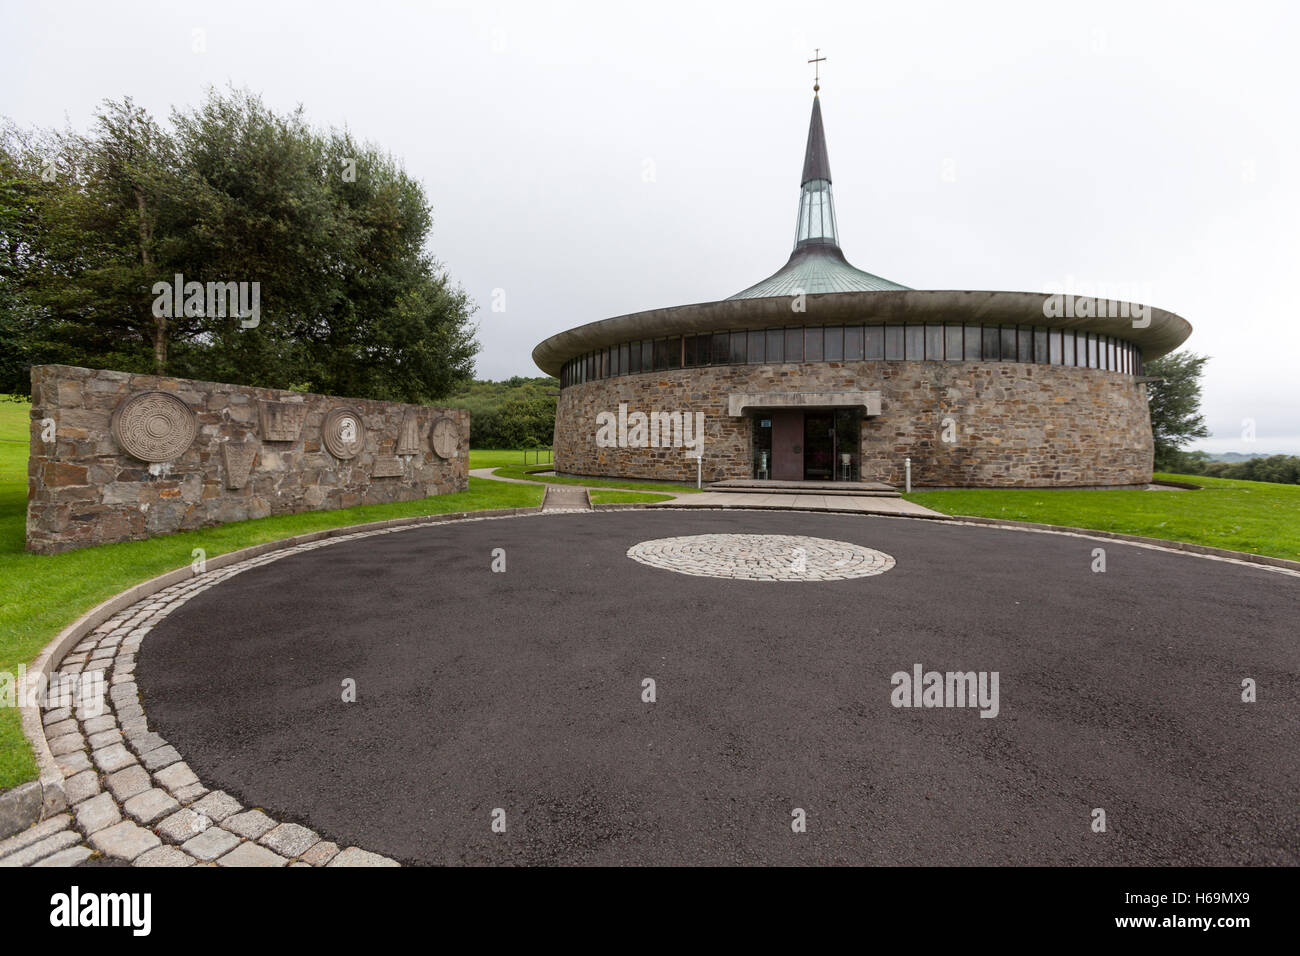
(1162,333)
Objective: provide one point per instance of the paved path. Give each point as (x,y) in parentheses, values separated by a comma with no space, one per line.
(520,696)
(487,473)
(858,504)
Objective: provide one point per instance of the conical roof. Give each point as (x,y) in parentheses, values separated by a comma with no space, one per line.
(817,263)
(815,269)
(816,162)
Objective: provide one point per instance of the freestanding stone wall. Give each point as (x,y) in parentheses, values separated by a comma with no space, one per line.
(1015,424)
(116,456)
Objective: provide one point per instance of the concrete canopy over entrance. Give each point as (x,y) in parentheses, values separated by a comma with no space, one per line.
(741,403)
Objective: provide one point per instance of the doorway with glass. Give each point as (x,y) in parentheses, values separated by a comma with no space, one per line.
(807,445)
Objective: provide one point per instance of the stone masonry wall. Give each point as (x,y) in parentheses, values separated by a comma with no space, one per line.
(1016,424)
(230,453)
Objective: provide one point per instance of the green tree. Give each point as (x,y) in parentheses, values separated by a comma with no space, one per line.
(1188,462)
(516,413)
(1283,469)
(332,231)
(1175,404)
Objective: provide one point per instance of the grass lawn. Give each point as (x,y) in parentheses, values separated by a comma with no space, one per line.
(487,459)
(1253,516)
(480,458)
(42,594)
(651,486)
(509,464)
(624,497)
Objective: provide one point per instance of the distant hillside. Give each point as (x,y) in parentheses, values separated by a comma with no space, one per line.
(1282,469)
(1240,456)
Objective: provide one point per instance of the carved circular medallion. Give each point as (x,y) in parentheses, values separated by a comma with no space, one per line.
(154,426)
(343,432)
(445,437)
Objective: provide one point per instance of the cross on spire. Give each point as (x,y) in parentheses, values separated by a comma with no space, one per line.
(817,60)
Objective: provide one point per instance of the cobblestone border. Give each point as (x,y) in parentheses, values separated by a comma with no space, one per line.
(40,814)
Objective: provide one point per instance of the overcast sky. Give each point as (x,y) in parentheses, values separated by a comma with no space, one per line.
(591,160)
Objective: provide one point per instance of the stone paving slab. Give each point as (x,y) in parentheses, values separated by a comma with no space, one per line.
(321,853)
(153,804)
(145,742)
(210,844)
(289,839)
(356,857)
(73,764)
(34,834)
(217,806)
(182,825)
(191,793)
(104,738)
(250,854)
(176,776)
(125,784)
(41,849)
(165,856)
(81,786)
(54,731)
(97,813)
(156,760)
(67,744)
(72,856)
(113,758)
(124,840)
(250,824)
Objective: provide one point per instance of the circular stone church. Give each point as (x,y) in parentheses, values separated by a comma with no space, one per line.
(823,372)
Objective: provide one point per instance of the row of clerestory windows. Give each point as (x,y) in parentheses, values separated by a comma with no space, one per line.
(858,343)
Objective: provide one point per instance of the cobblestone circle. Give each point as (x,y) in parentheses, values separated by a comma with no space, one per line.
(761,557)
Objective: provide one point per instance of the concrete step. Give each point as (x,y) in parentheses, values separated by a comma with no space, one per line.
(566,498)
(856,489)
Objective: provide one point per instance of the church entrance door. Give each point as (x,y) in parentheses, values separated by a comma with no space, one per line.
(787,445)
(790,444)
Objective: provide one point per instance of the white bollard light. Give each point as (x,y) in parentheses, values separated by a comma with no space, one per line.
(907,467)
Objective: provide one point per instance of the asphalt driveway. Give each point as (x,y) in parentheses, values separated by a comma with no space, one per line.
(523,690)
